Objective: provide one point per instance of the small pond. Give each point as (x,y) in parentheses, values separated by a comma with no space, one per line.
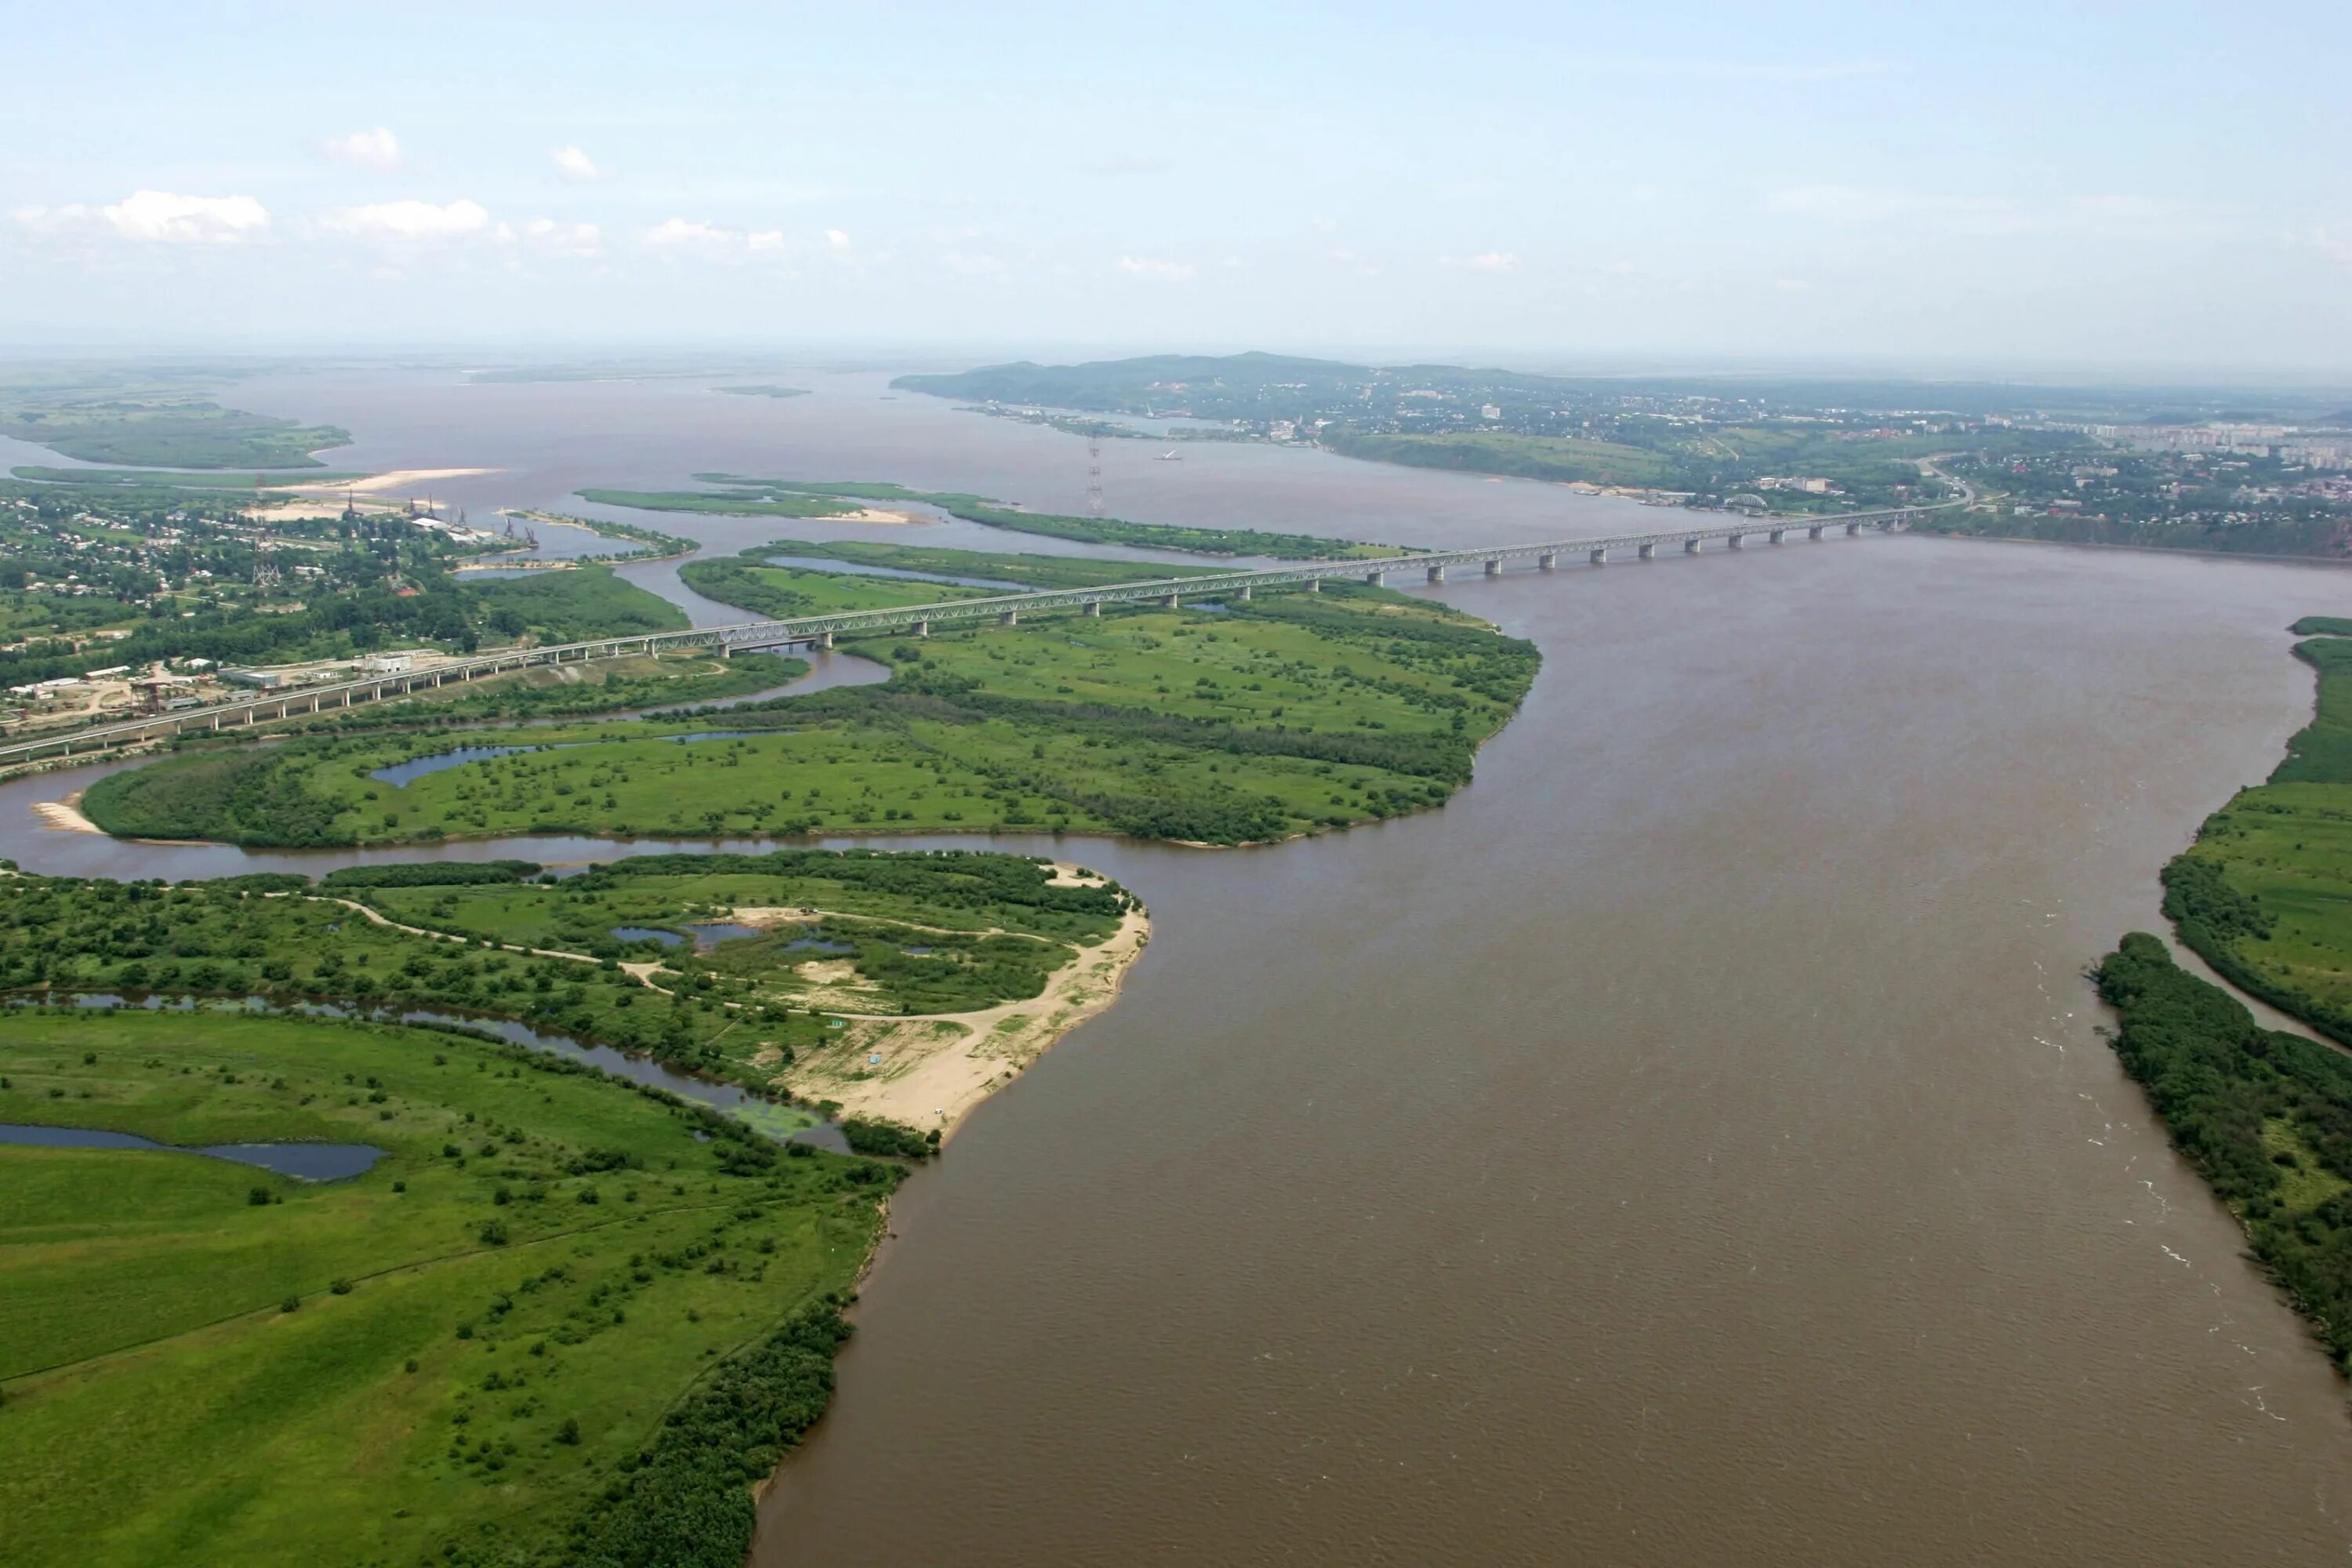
(711,934)
(647,933)
(304,1162)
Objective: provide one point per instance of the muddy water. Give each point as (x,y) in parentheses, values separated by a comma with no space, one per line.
(1689,1146)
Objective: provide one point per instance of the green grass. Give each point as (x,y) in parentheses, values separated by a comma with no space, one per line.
(174,433)
(723,503)
(918,934)
(570,606)
(787,591)
(749,497)
(1293,713)
(927,933)
(2265,895)
(491,1368)
(1022,571)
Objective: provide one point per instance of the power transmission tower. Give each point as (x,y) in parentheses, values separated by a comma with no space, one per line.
(1094,476)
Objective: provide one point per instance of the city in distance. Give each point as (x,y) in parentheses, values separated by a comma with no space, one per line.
(675,890)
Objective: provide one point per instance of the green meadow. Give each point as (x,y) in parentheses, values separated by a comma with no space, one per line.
(1246,723)
(905,933)
(562,1321)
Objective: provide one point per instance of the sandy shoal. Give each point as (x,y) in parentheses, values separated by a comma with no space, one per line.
(936,1067)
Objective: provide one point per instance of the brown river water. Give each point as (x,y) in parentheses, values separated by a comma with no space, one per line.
(1691,1145)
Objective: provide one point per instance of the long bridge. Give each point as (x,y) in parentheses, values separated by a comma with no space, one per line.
(819,631)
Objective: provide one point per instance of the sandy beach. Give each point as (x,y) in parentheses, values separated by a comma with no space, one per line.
(935,1068)
(65,816)
(402,481)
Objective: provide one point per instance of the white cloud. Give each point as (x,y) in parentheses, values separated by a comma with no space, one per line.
(2336,243)
(547,235)
(1485,261)
(576,164)
(1163,271)
(680,234)
(411,220)
(180,220)
(766,239)
(376,149)
(836,238)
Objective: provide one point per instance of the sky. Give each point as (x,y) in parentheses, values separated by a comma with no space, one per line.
(2150,188)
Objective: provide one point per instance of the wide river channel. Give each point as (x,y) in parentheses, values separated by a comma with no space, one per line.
(1694,1144)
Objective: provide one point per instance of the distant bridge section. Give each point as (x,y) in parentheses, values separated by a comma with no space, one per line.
(819,631)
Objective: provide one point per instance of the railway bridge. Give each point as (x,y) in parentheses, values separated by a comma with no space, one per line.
(819,631)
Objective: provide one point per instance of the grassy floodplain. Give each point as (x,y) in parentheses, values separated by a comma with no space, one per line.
(561,1321)
(2266,1116)
(1250,723)
(743,496)
(784,593)
(939,561)
(717,964)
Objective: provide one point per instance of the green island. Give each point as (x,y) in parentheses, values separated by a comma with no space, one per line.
(1227,724)
(751,583)
(724,965)
(2264,1115)
(949,564)
(561,1320)
(145,416)
(764,389)
(740,496)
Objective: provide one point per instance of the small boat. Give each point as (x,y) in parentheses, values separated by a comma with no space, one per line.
(1169,456)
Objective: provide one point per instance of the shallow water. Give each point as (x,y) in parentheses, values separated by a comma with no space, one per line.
(306,1161)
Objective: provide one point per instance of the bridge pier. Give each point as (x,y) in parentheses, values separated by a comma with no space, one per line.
(1854,531)
(1093,608)
(1647,553)
(1374,579)
(1012,618)
(1315,585)
(1733,541)
(1437,573)
(1814,532)
(1545,562)
(825,640)
(923,628)
(1171,601)
(1776,535)
(1244,595)
(1600,556)
(1494,568)
(1690,546)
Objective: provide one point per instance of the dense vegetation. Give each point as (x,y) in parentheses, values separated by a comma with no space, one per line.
(884,934)
(982,565)
(784,593)
(192,434)
(1221,725)
(563,1320)
(2265,1116)
(746,497)
(2260,895)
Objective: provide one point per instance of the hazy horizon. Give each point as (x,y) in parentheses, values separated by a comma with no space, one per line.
(2018,192)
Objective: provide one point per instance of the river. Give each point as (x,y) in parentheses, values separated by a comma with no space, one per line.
(1691,1145)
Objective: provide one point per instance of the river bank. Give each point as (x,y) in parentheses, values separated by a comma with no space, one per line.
(1670,1104)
